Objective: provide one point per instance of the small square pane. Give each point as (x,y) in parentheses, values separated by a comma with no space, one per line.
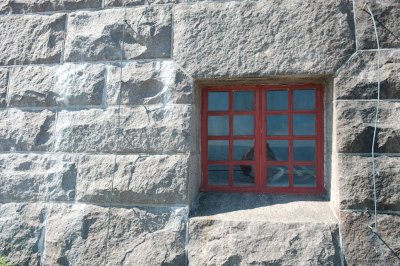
(277,100)
(304,150)
(218,125)
(305,176)
(218,150)
(218,101)
(243,125)
(243,175)
(304,125)
(278,150)
(243,101)
(304,99)
(277,125)
(243,150)
(218,175)
(277,176)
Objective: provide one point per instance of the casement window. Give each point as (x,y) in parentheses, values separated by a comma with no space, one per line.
(263,138)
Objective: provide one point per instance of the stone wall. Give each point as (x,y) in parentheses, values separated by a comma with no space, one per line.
(99,137)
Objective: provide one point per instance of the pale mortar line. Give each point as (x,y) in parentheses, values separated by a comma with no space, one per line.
(88,153)
(7,87)
(381,49)
(364,210)
(368,154)
(337,72)
(367,100)
(355,25)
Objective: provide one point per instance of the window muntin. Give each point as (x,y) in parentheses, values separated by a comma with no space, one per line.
(238,120)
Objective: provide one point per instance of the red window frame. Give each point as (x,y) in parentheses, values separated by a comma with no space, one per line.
(260,113)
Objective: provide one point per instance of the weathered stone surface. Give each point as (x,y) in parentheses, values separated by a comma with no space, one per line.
(147,129)
(29,6)
(253,38)
(154,179)
(34,177)
(355,127)
(137,236)
(358,80)
(362,246)
(64,85)
(149,83)
(98,35)
(3,86)
(21,233)
(31,39)
(356,182)
(26,130)
(387,17)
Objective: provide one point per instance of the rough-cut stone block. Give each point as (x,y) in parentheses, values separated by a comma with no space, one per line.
(253,38)
(31,39)
(29,6)
(21,233)
(356,182)
(3,86)
(358,79)
(26,130)
(362,246)
(149,83)
(355,127)
(152,179)
(64,85)
(387,17)
(98,35)
(34,177)
(137,236)
(147,129)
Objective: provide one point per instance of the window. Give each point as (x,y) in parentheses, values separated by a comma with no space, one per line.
(263,138)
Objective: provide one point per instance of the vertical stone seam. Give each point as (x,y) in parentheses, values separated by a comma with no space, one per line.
(172,30)
(8,78)
(355,24)
(62,59)
(105,88)
(78,170)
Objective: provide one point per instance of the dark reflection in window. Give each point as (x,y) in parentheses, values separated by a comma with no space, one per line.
(277,100)
(304,124)
(304,176)
(278,150)
(218,175)
(277,176)
(243,125)
(243,150)
(240,178)
(304,99)
(218,101)
(304,150)
(243,101)
(277,125)
(218,150)
(218,125)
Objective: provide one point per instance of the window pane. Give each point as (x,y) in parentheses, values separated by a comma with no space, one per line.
(243,150)
(243,101)
(218,101)
(304,150)
(304,99)
(304,176)
(218,175)
(303,125)
(243,125)
(218,150)
(278,176)
(243,175)
(277,100)
(277,125)
(218,125)
(277,150)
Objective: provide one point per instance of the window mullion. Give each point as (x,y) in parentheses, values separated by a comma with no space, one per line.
(230,139)
(290,127)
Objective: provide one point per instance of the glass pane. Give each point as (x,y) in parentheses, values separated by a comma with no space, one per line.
(304,150)
(218,150)
(277,125)
(303,125)
(305,176)
(243,175)
(243,150)
(243,125)
(304,99)
(218,175)
(277,100)
(243,101)
(218,125)
(218,101)
(278,176)
(278,150)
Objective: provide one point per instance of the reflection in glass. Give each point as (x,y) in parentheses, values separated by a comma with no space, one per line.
(304,99)
(218,125)
(218,101)
(218,175)
(243,150)
(243,177)
(218,150)
(277,100)
(277,176)
(243,101)
(304,125)
(304,176)
(277,125)
(304,150)
(243,125)
(278,150)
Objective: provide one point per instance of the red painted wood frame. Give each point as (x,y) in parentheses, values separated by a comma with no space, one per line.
(260,139)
